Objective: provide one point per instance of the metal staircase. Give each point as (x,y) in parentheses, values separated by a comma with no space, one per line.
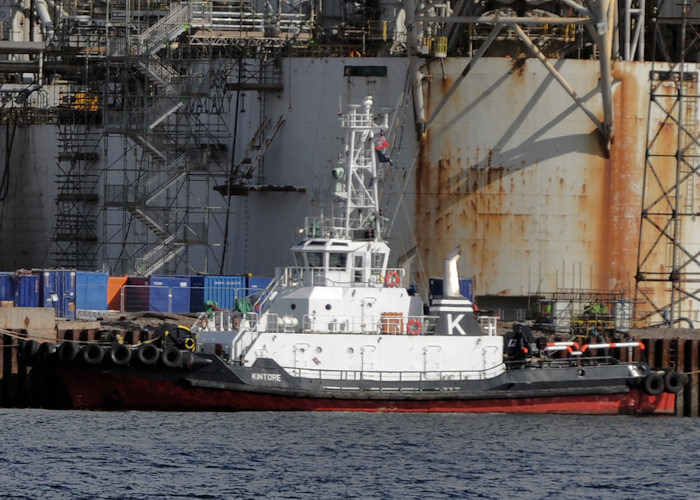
(164,121)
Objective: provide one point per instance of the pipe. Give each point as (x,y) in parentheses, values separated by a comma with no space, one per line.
(414,64)
(46,22)
(450,286)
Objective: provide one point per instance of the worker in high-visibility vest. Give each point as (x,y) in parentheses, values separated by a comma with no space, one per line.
(381,149)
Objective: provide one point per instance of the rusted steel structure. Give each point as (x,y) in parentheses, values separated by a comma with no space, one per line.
(552,142)
(668,269)
(662,282)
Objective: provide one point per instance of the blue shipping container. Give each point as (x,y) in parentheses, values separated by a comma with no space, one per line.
(27,291)
(91,291)
(137,294)
(57,290)
(258,283)
(435,287)
(169,294)
(466,288)
(7,286)
(224,290)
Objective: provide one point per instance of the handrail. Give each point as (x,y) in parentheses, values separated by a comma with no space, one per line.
(568,362)
(386,324)
(396,376)
(301,276)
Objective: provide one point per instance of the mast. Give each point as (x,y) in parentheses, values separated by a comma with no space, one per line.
(356,174)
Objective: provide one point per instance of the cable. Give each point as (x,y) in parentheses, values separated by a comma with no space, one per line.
(230,171)
(9,141)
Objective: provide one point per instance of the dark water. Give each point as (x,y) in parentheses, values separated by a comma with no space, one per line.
(108,455)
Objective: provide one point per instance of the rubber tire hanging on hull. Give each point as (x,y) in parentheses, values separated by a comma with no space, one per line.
(92,354)
(171,357)
(675,381)
(29,350)
(119,354)
(147,354)
(68,351)
(47,351)
(653,384)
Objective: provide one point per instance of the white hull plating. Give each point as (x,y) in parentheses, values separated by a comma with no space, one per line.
(392,357)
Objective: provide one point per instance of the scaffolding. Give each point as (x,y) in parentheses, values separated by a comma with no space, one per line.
(668,269)
(583,314)
(150,93)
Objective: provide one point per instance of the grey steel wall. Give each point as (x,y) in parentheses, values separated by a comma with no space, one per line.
(512,170)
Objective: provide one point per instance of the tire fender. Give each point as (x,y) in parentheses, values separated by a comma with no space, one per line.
(92,354)
(119,354)
(653,384)
(28,350)
(674,381)
(147,354)
(171,357)
(68,351)
(47,351)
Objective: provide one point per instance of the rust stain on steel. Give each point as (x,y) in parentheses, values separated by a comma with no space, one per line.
(515,208)
(663,163)
(518,65)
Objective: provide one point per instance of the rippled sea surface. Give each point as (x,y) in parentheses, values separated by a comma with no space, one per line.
(144,455)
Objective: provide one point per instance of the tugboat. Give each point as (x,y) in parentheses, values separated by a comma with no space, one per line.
(340,331)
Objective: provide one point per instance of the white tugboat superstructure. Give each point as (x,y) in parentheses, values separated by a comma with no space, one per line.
(342,308)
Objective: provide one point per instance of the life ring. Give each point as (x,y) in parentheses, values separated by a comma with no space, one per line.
(674,381)
(392,279)
(414,327)
(653,384)
(190,343)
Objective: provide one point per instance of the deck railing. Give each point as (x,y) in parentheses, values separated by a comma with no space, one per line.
(341,277)
(395,376)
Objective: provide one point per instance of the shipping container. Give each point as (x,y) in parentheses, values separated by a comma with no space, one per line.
(258,283)
(27,290)
(91,291)
(7,286)
(115,292)
(224,290)
(57,290)
(466,288)
(137,294)
(169,294)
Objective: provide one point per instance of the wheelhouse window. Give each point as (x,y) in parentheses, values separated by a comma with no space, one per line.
(359,266)
(377,262)
(298,259)
(337,260)
(315,259)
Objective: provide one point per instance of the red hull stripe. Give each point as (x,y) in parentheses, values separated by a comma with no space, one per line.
(107,390)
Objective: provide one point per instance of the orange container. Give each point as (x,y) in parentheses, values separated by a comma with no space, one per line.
(114,292)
